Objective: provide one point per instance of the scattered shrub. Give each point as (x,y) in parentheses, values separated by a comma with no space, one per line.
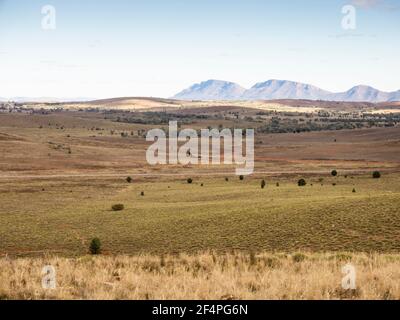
(95,246)
(272,262)
(142,193)
(277,184)
(298,257)
(376,174)
(226,179)
(263,184)
(334,173)
(162,261)
(354,190)
(129,179)
(118,207)
(343,257)
(302,183)
(190,181)
(241,178)
(253,258)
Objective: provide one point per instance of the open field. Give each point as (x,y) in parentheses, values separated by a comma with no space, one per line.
(86,143)
(204,276)
(62,215)
(61,172)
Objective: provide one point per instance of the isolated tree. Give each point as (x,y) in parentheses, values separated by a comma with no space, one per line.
(263,184)
(376,174)
(95,246)
(302,183)
(241,178)
(190,181)
(334,173)
(129,179)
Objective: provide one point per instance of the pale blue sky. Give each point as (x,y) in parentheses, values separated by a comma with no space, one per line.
(158,47)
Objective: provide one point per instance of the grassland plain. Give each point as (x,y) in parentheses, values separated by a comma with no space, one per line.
(204,276)
(61,173)
(62,215)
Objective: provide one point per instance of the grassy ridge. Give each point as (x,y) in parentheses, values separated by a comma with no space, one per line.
(62,216)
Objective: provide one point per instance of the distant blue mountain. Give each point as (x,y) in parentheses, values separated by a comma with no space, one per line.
(281,89)
(212,90)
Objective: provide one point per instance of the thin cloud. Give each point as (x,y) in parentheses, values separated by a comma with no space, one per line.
(367,4)
(372,4)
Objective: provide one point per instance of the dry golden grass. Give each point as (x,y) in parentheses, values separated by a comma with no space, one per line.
(204,276)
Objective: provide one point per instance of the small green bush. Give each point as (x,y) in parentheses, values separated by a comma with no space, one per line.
(95,246)
(376,174)
(118,207)
(302,183)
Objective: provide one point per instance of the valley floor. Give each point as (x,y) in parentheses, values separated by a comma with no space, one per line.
(61,216)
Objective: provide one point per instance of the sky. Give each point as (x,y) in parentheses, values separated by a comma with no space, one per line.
(156,48)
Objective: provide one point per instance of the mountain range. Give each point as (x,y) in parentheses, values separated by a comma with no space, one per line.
(281,89)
